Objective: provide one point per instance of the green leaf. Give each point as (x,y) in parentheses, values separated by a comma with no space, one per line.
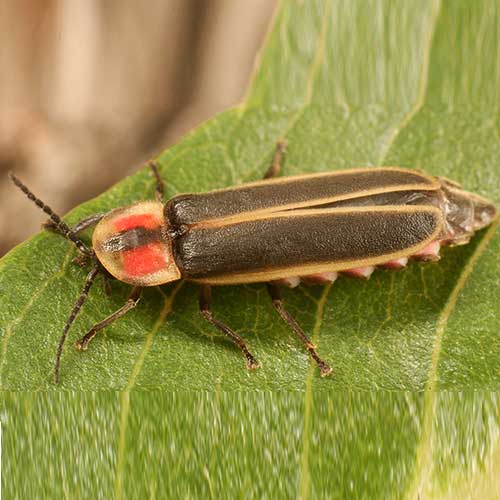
(346,84)
(276,445)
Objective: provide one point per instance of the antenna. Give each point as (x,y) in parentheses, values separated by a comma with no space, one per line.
(59,224)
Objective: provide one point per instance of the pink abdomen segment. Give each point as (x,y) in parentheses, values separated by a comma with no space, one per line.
(429,253)
(464,213)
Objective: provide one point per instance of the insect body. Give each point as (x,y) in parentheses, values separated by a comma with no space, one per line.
(280,231)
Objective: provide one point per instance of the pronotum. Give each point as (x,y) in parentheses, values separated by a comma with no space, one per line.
(280,230)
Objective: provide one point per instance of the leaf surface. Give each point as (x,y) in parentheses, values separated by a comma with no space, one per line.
(346,84)
(162,444)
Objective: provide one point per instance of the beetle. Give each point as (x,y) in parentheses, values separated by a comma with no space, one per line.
(280,230)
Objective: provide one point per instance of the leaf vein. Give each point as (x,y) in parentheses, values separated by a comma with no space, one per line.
(422,89)
(424,451)
(166,309)
(304,487)
(24,311)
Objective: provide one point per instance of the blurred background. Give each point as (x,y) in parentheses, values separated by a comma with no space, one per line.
(90,89)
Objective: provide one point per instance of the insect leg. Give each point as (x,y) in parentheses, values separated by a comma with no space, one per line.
(276,297)
(106,283)
(86,223)
(205,303)
(275,166)
(79,226)
(132,301)
(160,186)
(76,308)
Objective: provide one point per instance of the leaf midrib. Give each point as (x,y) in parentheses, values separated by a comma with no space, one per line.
(423,456)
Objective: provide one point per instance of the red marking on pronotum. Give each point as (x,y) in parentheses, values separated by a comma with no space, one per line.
(144,260)
(139,220)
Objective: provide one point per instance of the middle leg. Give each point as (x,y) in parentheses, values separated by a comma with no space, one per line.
(160,185)
(206,312)
(132,301)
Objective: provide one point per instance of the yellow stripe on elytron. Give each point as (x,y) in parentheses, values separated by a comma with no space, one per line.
(280,180)
(318,201)
(254,216)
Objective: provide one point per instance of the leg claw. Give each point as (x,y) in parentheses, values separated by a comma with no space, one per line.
(252,364)
(81,260)
(326,371)
(81,345)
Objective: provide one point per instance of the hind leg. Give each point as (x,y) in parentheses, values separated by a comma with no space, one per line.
(275,167)
(275,294)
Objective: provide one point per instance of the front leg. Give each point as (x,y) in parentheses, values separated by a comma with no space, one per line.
(78,227)
(83,258)
(206,312)
(132,301)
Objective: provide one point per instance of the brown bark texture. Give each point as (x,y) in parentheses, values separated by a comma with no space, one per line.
(90,89)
